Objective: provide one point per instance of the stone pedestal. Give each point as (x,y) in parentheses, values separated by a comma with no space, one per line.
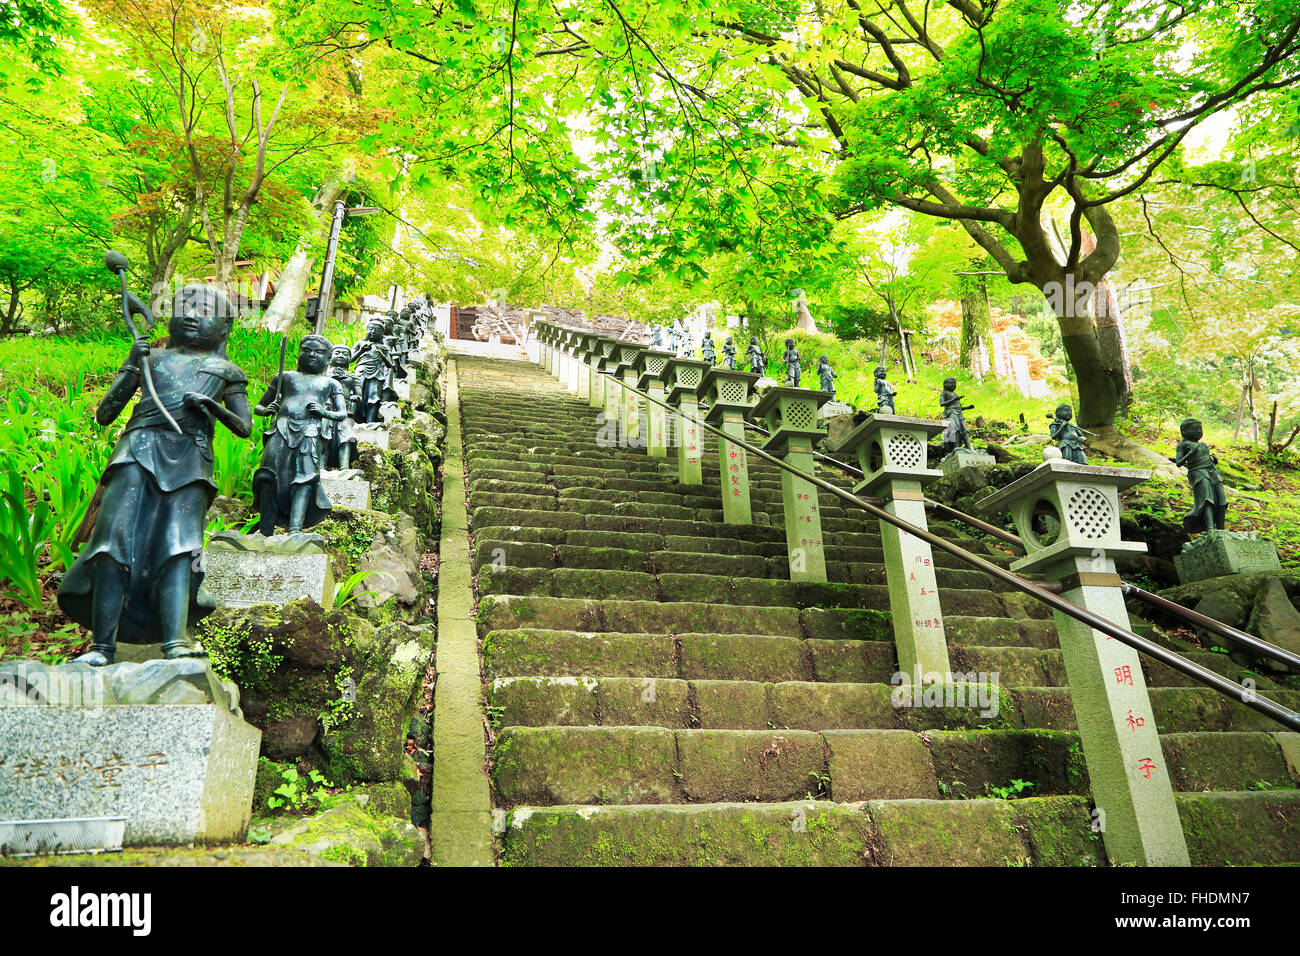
(891,451)
(373,433)
(1216,553)
(346,489)
(791,416)
(834,409)
(683,377)
(156,743)
(1068,516)
(960,458)
(728,395)
(241,570)
(649,367)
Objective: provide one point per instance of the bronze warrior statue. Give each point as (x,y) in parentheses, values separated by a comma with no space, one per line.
(287,484)
(340,445)
(1209,501)
(375,369)
(137,578)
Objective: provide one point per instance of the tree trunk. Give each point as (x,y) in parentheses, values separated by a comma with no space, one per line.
(291,287)
(1110,330)
(976,328)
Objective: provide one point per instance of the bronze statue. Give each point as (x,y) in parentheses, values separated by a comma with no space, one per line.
(757,360)
(136,581)
(1067,435)
(375,369)
(340,445)
(286,485)
(826,375)
(1209,501)
(708,351)
(793,365)
(955,435)
(884,391)
(729,354)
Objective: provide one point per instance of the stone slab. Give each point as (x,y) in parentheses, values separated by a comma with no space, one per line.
(347,493)
(191,681)
(961,458)
(373,434)
(179,774)
(242,578)
(1218,553)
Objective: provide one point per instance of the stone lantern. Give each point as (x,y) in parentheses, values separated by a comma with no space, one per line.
(1067,515)
(727,393)
(683,377)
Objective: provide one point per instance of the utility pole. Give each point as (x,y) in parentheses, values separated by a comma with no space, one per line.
(324,301)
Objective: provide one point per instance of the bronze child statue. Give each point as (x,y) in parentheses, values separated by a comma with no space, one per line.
(1068,436)
(826,375)
(729,354)
(708,351)
(375,369)
(757,360)
(287,485)
(137,579)
(793,364)
(1209,501)
(340,445)
(884,391)
(955,435)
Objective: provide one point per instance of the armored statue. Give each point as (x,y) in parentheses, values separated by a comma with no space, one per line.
(657,337)
(729,354)
(955,435)
(137,578)
(884,391)
(1209,501)
(793,365)
(757,360)
(826,375)
(1067,435)
(374,365)
(287,485)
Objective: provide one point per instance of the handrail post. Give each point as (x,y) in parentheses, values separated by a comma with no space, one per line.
(683,378)
(600,384)
(791,415)
(892,452)
(727,392)
(650,365)
(1068,519)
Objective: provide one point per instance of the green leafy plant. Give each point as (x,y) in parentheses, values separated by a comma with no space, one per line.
(1016,788)
(298,793)
(23,536)
(345,592)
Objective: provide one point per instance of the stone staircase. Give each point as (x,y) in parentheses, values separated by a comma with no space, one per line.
(660,693)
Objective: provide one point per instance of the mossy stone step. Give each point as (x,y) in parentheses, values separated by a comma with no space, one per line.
(677,703)
(1175,709)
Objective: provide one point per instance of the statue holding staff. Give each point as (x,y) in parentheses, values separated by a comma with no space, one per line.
(287,485)
(136,580)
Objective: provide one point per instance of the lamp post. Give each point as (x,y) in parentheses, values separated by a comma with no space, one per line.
(323,302)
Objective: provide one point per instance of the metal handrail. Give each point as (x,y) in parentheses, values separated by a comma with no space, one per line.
(1245,639)
(1229,688)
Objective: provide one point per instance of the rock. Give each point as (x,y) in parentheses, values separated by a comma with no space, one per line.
(1274,618)
(1227,606)
(348,834)
(392,566)
(324,685)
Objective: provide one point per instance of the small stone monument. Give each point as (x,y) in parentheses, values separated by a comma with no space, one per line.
(346,488)
(241,570)
(793,426)
(891,451)
(162,744)
(1068,517)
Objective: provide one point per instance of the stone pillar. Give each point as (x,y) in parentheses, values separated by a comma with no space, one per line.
(574,362)
(683,378)
(791,416)
(629,413)
(613,393)
(1068,516)
(727,393)
(544,331)
(650,365)
(601,346)
(582,351)
(559,367)
(891,451)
